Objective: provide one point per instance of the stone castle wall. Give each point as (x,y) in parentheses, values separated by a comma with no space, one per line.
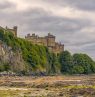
(48,41)
(13,30)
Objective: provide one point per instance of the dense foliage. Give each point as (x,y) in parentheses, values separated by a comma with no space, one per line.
(66,62)
(76,64)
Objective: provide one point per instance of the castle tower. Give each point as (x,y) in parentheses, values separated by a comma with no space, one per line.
(15,30)
(50,40)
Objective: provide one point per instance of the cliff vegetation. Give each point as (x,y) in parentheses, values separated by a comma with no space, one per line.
(22,57)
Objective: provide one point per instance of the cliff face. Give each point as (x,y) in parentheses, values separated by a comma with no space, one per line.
(13,59)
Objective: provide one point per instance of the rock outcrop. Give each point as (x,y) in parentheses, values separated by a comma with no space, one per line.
(12,58)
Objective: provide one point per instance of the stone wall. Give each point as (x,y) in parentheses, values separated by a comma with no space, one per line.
(48,41)
(13,30)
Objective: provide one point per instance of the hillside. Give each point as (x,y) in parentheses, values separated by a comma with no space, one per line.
(22,57)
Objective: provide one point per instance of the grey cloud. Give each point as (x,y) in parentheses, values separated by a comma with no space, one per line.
(6,5)
(90,48)
(84,43)
(88,5)
(40,20)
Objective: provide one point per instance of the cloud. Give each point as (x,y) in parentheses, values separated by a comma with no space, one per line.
(6,5)
(88,5)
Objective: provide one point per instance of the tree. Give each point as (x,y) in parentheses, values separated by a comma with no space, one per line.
(77,69)
(66,62)
(84,61)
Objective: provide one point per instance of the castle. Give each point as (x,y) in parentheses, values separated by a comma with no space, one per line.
(48,41)
(12,30)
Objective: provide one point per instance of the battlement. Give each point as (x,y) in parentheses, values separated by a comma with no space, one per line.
(13,30)
(48,41)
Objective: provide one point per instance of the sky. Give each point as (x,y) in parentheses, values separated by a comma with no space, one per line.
(71,21)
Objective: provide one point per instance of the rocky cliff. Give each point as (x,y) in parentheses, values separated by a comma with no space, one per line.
(13,59)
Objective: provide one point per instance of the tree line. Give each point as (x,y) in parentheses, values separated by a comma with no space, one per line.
(76,64)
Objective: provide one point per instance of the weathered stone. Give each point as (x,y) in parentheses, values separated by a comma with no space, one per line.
(48,41)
